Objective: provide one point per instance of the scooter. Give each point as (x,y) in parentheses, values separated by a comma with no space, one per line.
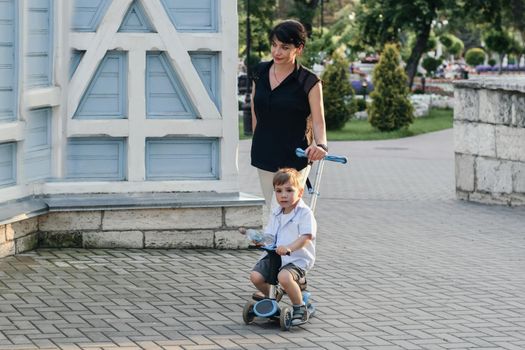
(269,307)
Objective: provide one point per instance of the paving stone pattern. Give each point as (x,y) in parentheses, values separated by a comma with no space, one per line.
(401,264)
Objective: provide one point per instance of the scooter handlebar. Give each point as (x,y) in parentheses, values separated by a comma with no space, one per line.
(339,159)
(268,249)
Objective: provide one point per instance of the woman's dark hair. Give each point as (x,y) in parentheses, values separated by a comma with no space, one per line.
(289,32)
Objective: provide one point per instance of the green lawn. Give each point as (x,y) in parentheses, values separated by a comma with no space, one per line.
(361,130)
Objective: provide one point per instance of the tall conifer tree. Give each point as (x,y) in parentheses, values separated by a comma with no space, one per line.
(391,108)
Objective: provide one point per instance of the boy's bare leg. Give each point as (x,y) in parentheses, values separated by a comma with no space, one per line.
(290,287)
(259,283)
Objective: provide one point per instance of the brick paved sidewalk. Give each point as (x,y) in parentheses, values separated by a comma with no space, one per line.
(401,265)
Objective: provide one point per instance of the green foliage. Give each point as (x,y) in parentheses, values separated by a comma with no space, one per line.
(262,14)
(475,56)
(457,48)
(338,97)
(305,12)
(492,62)
(361,104)
(446,40)
(316,49)
(498,41)
(432,42)
(408,42)
(340,36)
(453,45)
(431,64)
(391,108)
(516,48)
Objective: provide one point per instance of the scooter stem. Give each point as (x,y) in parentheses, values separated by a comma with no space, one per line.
(273,292)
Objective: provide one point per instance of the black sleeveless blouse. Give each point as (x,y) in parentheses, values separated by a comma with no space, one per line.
(281,118)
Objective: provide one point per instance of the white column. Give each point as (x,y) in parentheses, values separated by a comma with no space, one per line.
(136,114)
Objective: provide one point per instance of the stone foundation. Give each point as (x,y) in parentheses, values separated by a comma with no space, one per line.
(489,136)
(18,237)
(190,221)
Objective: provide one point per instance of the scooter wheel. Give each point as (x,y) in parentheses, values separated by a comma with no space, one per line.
(247,312)
(285,319)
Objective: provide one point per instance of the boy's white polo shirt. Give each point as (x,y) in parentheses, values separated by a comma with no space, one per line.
(288,227)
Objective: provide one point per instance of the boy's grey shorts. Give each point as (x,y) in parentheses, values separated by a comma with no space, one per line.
(263,267)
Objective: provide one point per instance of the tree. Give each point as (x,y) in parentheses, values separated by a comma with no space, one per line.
(475,56)
(341,35)
(305,11)
(431,64)
(261,22)
(517,49)
(453,45)
(382,21)
(511,9)
(339,104)
(391,108)
(500,42)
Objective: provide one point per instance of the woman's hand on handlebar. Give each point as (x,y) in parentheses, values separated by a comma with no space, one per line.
(314,152)
(283,250)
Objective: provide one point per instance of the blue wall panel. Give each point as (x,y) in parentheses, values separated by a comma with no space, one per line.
(87,14)
(182,158)
(136,20)
(8,84)
(37,148)
(74,61)
(96,158)
(165,95)
(106,95)
(193,15)
(7,164)
(39,54)
(207,65)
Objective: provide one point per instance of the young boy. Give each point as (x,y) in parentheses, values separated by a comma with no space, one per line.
(294,227)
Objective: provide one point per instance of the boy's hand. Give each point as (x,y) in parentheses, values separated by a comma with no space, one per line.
(283,250)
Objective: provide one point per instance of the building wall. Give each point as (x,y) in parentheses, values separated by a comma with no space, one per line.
(117,96)
(118,125)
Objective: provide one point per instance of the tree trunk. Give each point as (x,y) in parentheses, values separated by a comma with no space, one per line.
(501,57)
(417,52)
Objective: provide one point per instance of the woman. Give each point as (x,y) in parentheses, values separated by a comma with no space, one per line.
(284,95)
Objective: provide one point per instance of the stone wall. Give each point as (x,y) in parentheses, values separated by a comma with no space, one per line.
(192,220)
(489,137)
(149,228)
(18,237)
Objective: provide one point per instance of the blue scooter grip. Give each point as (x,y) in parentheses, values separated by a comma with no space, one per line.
(339,159)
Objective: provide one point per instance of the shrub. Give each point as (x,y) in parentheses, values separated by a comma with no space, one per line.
(338,97)
(361,104)
(475,56)
(446,40)
(492,62)
(390,108)
(431,64)
(454,46)
(457,48)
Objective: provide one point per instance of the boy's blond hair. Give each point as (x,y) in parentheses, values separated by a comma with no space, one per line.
(285,175)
